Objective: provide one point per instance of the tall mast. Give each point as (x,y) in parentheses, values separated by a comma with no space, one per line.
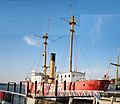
(45,37)
(71,23)
(117,66)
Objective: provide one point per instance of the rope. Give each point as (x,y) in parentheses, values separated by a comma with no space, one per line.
(39,51)
(84,56)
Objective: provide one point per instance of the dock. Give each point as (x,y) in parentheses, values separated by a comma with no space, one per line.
(94,97)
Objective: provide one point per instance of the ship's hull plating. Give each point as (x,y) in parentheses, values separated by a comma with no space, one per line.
(92,85)
(85,85)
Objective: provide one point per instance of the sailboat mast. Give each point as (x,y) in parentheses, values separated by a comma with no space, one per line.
(117,66)
(44,54)
(71,23)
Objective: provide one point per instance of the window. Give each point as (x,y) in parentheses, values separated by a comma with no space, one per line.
(73,75)
(69,75)
(65,76)
(61,76)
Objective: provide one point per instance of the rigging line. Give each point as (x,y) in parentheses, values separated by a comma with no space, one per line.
(48,58)
(51,40)
(76,54)
(109,67)
(39,60)
(60,37)
(37,56)
(49,20)
(64,53)
(86,60)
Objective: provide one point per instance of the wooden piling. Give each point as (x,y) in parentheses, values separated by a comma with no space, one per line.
(43,88)
(14,87)
(56,85)
(12,99)
(20,87)
(8,97)
(65,85)
(27,88)
(8,86)
(35,87)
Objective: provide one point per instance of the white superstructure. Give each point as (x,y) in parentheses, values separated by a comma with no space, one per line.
(35,76)
(70,76)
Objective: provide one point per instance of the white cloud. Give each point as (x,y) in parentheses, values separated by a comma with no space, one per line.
(30,41)
(96,32)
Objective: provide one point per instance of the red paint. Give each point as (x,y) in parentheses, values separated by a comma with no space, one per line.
(85,85)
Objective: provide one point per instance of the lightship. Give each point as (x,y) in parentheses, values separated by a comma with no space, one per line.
(75,80)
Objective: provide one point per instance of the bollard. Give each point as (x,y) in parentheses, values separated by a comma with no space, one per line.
(56,87)
(20,87)
(14,87)
(43,88)
(8,86)
(27,88)
(35,87)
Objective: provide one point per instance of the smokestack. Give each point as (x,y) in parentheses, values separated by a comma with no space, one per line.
(52,68)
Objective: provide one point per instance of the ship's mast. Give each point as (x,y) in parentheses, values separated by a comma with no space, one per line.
(45,37)
(117,66)
(71,23)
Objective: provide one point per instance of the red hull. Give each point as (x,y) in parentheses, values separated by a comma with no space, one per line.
(92,85)
(85,85)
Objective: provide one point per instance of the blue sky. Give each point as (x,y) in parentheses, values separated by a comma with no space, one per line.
(95,41)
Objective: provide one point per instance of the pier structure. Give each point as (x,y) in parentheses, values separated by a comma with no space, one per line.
(90,97)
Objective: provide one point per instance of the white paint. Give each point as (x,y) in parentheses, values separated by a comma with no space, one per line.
(36,76)
(70,76)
